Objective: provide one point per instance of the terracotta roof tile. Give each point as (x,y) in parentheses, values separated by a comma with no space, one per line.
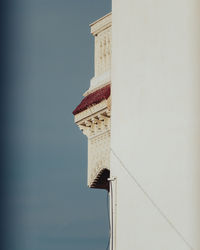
(93,98)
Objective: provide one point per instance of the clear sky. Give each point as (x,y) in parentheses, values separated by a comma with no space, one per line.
(50,62)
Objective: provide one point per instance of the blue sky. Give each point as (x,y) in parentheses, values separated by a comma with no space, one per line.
(50,66)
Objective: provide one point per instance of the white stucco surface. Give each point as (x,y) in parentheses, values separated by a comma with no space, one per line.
(155,124)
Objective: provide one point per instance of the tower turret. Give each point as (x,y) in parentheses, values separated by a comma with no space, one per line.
(92,115)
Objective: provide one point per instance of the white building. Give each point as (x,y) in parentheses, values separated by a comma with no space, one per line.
(154,152)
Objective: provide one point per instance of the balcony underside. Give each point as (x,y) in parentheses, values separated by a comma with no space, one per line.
(101,181)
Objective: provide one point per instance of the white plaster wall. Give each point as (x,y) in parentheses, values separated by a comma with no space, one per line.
(155,126)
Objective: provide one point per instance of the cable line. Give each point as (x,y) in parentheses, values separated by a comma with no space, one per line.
(112,219)
(108,244)
(153,202)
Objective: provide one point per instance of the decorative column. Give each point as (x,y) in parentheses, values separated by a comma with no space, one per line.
(92,115)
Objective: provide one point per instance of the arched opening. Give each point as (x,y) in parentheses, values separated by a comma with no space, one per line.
(101,181)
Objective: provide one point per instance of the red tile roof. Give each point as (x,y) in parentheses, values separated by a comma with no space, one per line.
(93,98)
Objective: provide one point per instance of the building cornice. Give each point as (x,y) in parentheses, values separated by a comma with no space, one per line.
(101,24)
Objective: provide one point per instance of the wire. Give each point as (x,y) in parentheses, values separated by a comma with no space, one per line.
(111,196)
(153,202)
(110,216)
(107,248)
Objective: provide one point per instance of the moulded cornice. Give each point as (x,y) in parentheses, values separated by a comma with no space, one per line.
(101,24)
(90,111)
